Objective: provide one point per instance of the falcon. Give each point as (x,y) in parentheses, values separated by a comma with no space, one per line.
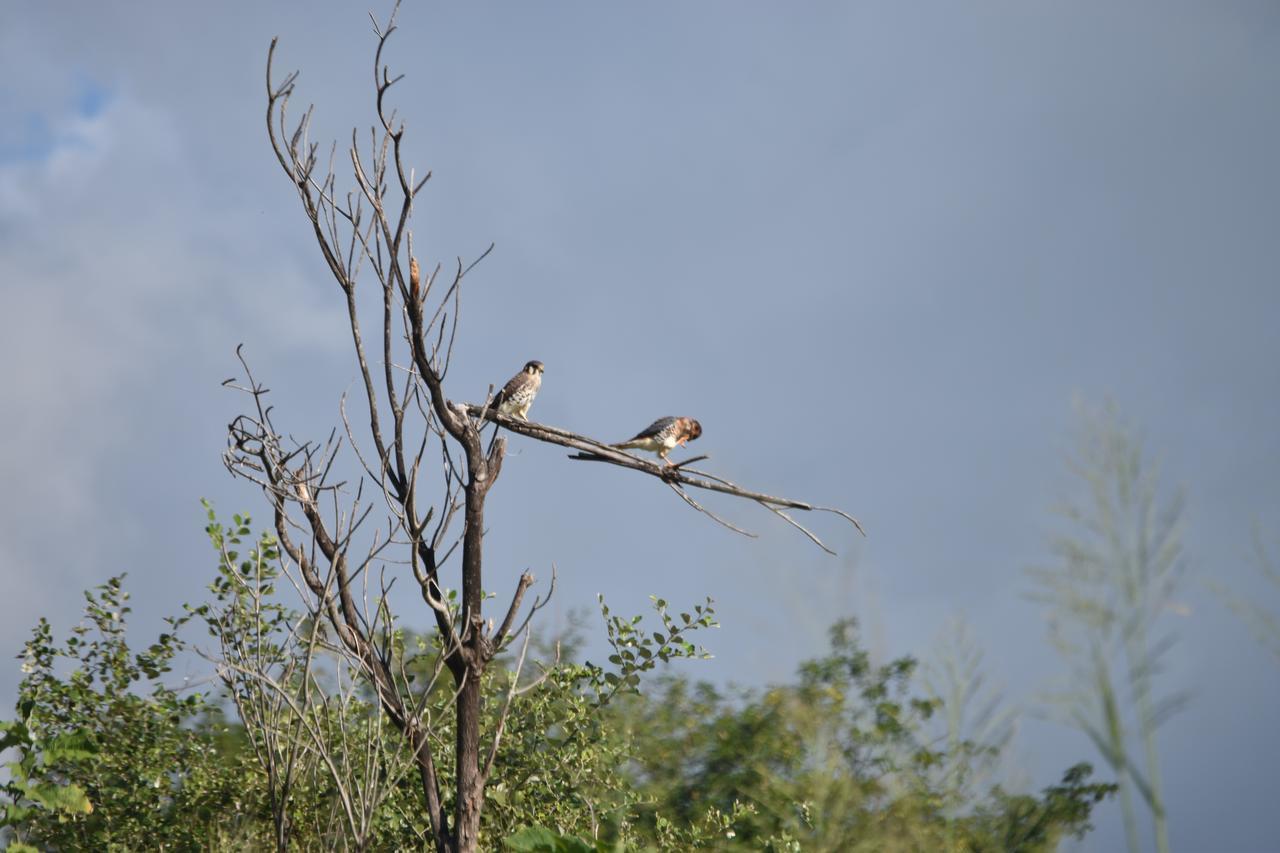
(663,436)
(517,395)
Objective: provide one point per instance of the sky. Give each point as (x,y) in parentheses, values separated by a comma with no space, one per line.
(877,249)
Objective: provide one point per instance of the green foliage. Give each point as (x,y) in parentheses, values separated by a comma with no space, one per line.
(107,754)
(33,781)
(636,652)
(562,763)
(846,757)
(843,759)
(1022,822)
(538,839)
(331,770)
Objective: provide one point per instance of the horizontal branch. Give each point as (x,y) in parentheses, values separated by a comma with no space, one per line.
(673,475)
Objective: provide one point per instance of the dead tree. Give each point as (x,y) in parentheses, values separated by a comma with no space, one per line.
(364,235)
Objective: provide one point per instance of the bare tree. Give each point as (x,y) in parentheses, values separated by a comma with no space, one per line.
(323,523)
(301,718)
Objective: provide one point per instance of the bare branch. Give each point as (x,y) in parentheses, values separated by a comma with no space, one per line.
(702,509)
(526,581)
(512,692)
(597,451)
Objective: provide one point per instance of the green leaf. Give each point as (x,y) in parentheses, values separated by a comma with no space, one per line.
(539,839)
(60,798)
(15,734)
(75,746)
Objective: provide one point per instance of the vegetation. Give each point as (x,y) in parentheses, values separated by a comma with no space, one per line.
(330,721)
(1119,563)
(347,508)
(1262,617)
(595,757)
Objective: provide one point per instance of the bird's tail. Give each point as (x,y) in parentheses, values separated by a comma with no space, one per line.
(626,445)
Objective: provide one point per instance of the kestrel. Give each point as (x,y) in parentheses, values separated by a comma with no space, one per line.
(663,436)
(517,395)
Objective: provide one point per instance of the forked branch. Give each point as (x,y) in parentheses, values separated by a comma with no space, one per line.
(676,475)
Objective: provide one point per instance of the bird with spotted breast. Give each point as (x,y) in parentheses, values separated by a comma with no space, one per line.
(517,395)
(663,436)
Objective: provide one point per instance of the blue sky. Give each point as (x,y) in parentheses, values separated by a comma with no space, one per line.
(877,249)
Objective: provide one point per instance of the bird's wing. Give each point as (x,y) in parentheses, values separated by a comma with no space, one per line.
(654,429)
(514,384)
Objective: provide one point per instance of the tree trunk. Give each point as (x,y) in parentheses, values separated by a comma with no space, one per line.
(468,706)
(470,795)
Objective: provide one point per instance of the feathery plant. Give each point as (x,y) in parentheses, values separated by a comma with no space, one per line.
(1117,566)
(978,725)
(1263,622)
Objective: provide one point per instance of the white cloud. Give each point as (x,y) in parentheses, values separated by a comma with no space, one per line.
(116,272)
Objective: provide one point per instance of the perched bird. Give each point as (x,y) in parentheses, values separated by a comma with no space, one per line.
(517,395)
(663,436)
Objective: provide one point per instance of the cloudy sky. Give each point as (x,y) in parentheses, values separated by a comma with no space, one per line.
(876,248)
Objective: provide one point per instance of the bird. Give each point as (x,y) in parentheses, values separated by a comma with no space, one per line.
(663,436)
(517,395)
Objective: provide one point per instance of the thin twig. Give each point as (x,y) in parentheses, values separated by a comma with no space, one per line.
(592,450)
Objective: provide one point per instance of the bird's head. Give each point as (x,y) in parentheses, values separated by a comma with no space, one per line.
(693,428)
(533,368)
